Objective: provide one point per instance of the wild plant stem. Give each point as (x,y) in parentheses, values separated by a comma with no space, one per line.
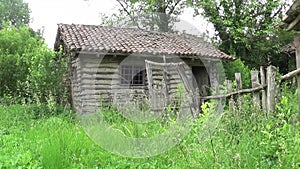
(213,148)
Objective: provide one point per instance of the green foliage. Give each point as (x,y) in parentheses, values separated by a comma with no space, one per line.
(46,81)
(147,14)
(249,138)
(238,66)
(14,12)
(246,138)
(16,49)
(245,28)
(29,70)
(288,104)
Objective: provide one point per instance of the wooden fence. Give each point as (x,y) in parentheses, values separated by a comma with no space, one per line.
(263,88)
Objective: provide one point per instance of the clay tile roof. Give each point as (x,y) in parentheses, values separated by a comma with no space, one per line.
(92,38)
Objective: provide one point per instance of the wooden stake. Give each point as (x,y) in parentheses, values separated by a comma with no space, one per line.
(214,83)
(263,92)
(231,101)
(255,83)
(297,47)
(271,89)
(239,86)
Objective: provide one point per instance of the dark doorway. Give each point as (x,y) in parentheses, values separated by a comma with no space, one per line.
(202,79)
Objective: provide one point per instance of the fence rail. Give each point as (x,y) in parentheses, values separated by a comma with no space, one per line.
(263,90)
(266,87)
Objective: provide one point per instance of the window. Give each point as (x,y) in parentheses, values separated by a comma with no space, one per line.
(132,75)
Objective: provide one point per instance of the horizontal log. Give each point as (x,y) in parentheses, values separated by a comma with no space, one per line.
(160,79)
(243,91)
(95,93)
(108,85)
(95,65)
(290,74)
(92,73)
(111,91)
(92,81)
(164,64)
(98,75)
(95,97)
(105,59)
(90,100)
(90,65)
(86,88)
(100,69)
(169,75)
(112,86)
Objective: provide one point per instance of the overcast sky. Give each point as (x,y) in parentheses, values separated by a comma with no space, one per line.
(46,14)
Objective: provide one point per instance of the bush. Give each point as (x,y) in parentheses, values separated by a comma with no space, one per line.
(238,66)
(30,71)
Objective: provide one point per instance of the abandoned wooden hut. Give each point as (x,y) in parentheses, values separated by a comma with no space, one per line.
(292,22)
(107,62)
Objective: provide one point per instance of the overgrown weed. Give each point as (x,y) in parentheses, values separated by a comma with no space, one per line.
(43,137)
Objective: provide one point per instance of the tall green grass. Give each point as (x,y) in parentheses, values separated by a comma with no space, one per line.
(39,136)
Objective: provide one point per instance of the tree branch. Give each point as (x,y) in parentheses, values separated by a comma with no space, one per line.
(128,13)
(172,8)
(277,12)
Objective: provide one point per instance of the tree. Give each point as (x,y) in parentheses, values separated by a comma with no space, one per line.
(148,14)
(29,70)
(246,29)
(14,12)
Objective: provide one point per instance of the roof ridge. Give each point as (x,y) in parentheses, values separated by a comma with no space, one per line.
(84,37)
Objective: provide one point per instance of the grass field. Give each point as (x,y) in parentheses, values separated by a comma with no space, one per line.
(39,136)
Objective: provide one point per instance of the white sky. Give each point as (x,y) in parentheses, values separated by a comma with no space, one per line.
(46,14)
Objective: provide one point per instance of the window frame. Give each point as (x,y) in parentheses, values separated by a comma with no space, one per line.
(128,73)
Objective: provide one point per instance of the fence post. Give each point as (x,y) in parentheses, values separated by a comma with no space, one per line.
(271,89)
(255,83)
(297,47)
(239,86)
(231,101)
(263,92)
(215,84)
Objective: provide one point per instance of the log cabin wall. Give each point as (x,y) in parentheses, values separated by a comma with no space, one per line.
(96,79)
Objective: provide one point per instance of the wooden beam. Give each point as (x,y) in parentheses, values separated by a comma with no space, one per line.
(293,23)
(243,91)
(255,83)
(263,92)
(297,47)
(290,74)
(164,64)
(271,89)
(239,86)
(231,101)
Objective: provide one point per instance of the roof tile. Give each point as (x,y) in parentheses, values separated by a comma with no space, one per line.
(77,37)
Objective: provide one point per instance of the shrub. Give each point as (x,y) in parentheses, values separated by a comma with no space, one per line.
(30,71)
(238,66)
